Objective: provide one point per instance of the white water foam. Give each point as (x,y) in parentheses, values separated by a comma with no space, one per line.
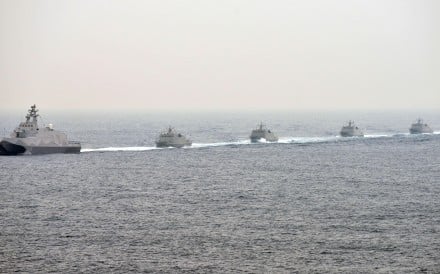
(202,145)
(407,134)
(377,135)
(282,140)
(325,139)
(306,140)
(113,149)
(194,145)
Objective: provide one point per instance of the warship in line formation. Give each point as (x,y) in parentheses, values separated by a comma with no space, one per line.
(29,138)
(351,130)
(261,132)
(419,127)
(170,138)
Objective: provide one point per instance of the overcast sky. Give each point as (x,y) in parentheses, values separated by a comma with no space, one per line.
(220,55)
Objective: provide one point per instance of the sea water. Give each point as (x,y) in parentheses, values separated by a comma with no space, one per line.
(312,202)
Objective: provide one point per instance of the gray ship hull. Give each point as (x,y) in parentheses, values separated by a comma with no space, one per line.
(50,150)
(169,144)
(267,138)
(351,134)
(7,148)
(418,131)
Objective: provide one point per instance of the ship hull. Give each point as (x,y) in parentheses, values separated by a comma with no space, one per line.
(348,134)
(167,144)
(8,148)
(420,131)
(50,150)
(256,136)
(351,132)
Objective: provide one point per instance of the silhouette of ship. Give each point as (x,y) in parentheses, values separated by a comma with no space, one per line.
(351,130)
(170,138)
(261,132)
(30,138)
(419,127)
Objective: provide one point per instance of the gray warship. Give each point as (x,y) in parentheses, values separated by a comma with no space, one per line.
(419,127)
(261,132)
(170,138)
(29,138)
(351,130)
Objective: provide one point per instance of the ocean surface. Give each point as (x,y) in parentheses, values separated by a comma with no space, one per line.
(311,203)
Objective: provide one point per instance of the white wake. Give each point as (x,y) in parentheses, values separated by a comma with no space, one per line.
(282,140)
(113,149)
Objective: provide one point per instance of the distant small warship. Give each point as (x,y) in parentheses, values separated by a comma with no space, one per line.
(261,132)
(170,138)
(351,130)
(419,127)
(29,138)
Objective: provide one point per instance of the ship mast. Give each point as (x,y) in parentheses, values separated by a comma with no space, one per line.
(32,113)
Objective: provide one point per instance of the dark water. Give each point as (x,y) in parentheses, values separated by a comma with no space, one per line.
(312,203)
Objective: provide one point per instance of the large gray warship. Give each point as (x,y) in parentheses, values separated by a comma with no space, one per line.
(261,132)
(170,138)
(29,138)
(419,127)
(351,130)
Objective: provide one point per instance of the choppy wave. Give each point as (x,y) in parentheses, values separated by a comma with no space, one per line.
(282,140)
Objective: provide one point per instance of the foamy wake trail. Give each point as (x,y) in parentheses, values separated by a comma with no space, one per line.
(377,135)
(112,149)
(219,144)
(306,140)
(195,145)
(282,140)
(326,139)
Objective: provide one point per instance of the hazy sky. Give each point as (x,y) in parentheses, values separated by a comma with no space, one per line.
(225,54)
